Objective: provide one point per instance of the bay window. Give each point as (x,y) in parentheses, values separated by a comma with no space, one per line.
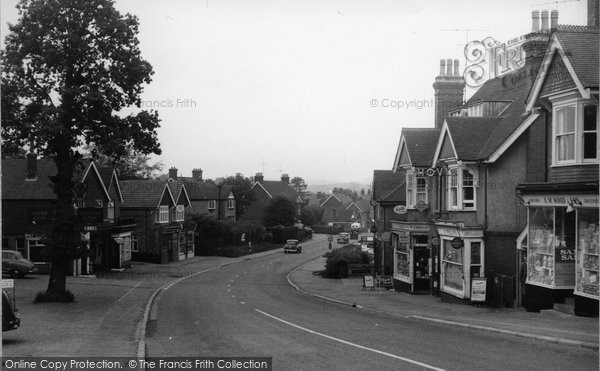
(461,184)
(416,188)
(179,213)
(162,214)
(575,132)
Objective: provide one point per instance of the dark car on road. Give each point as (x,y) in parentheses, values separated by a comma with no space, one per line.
(10,319)
(292,246)
(15,265)
(343,237)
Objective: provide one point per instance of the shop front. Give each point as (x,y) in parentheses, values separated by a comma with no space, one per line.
(413,264)
(462,263)
(563,251)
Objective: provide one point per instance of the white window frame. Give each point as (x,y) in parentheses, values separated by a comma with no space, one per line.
(212,205)
(230,204)
(179,213)
(579,133)
(162,214)
(110,211)
(134,243)
(412,188)
(460,187)
(466,251)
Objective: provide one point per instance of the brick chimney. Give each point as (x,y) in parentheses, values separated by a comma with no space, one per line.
(31,165)
(545,21)
(259,177)
(173,173)
(535,21)
(197,174)
(592,12)
(554,20)
(285,178)
(448,90)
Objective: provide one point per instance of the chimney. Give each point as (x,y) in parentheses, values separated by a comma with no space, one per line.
(593,11)
(442,67)
(259,177)
(448,90)
(197,174)
(535,21)
(554,20)
(544,21)
(31,165)
(173,173)
(285,178)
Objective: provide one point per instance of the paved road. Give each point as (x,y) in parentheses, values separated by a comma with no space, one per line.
(249,309)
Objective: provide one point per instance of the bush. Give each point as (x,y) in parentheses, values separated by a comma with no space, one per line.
(215,237)
(338,260)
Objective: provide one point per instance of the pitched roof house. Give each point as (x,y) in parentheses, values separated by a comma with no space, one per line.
(266,190)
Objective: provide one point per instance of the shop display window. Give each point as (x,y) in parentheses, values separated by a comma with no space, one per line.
(587,264)
(452,266)
(551,253)
(403,260)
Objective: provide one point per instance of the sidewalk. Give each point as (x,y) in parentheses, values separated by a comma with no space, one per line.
(557,328)
(105,319)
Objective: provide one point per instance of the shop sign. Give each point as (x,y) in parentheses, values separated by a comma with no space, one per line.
(411,227)
(368,282)
(8,283)
(457,243)
(590,200)
(465,233)
(90,228)
(435,241)
(478,289)
(403,237)
(400,209)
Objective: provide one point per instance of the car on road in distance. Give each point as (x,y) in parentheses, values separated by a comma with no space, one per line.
(292,246)
(343,237)
(15,265)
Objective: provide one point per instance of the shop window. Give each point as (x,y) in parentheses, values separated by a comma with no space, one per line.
(452,268)
(402,258)
(36,248)
(575,132)
(475,259)
(551,252)
(212,204)
(162,215)
(587,256)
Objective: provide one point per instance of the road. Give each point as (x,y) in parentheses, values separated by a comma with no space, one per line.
(249,309)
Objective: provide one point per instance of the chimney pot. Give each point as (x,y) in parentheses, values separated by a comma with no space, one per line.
(535,21)
(31,165)
(449,67)
(456,65)
(173,173)
(544,21)
(442,67)
(554,20)
(197,174)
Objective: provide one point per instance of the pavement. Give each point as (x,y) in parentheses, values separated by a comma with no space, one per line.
(110,312)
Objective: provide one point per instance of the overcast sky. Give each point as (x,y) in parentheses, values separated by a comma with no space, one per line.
(287,86)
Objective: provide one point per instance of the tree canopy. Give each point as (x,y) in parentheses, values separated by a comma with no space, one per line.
(299,185)
(71,70)
(242,187)
(280,211)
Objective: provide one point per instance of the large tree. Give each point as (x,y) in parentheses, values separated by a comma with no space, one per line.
(70,70)
(132,165)
(311,215)
(299,185)
(280,211)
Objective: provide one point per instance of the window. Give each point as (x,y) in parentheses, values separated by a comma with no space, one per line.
(212,204)
(179,213)
(334,213)
(461,187)
(134,243)
(416,188)
(452,267)
(110,211)
(230,204)
(162,216)
(575,130)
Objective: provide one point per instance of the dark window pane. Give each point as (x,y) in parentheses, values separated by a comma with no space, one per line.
(589,145)
(589,117)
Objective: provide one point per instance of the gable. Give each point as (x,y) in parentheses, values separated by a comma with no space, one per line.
(166,198)
(447,149)
(404,158)
(558,78)
(332,201)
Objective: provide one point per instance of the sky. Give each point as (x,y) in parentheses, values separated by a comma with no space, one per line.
(316,89)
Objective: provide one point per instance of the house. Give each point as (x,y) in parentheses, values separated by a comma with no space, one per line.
(336,211)
(159,208)
(207,198)
(360,212)
(560,240)
(413,232)
(265,191)
(29,204)
(388,200)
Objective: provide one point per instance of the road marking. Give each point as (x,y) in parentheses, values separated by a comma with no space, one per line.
(350,343)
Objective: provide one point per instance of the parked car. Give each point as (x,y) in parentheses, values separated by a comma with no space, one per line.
(343,237)
(15,265)
(10,319)
(292,246)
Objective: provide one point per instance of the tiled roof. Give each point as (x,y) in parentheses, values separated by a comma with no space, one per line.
(199,190)
(396,195)
(279,188)
(384,181)
(421,143)
(142,193)
(581,48)
(469,135)
(14,185)
(176,188)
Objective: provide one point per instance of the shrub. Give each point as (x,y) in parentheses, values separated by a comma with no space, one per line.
(338,260)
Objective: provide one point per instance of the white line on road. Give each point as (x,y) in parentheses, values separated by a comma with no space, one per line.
(350,343)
